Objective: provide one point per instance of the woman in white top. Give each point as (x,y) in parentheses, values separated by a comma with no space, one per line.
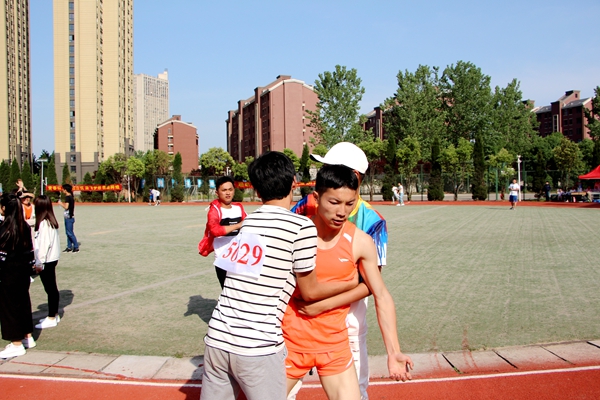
(47,252)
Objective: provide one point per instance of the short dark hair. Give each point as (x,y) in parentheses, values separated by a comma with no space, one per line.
(68,188)
(335,177)
(272,175)
(222,180)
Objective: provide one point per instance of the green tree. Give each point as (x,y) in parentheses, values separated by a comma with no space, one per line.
(479,187)
(456,162)
(466,101)
(4,175)
(177,191)
(513,123)
(51,173)
(390,168)
(304,170)
(415,109)
(374,149)
(292,156)
(435,191)
(586,147)
(215,161)
(27,177)
(336,118)
(593,123)
(136,171)
(99,179)
(409,155)
(15,175)
(567,157)
(113,168)
(87,180)
(66,174)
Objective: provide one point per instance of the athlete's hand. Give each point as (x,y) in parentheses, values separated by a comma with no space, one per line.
(399,366)
(309,309)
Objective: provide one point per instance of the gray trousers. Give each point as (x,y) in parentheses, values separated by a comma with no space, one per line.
(259,377)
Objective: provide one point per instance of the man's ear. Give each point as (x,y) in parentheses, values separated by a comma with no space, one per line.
(316,196)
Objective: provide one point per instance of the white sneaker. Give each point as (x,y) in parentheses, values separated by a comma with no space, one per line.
(29,342)
(57,318)
(12,351)
(398,205)
(402,204)
(47,323)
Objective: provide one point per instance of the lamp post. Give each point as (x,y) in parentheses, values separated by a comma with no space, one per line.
(519,175)
(42,161)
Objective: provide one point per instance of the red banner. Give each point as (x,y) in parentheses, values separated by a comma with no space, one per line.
(248,185)
(115,187)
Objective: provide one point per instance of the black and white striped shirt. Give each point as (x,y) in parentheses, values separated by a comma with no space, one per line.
(248,315)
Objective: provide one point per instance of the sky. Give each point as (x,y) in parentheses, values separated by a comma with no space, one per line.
(217,52)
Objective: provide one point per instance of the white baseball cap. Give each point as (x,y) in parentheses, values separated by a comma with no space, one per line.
(347,154)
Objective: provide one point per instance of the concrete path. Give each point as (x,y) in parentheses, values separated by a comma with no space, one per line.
(189,370)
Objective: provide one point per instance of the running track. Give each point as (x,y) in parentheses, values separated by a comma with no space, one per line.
(571,383)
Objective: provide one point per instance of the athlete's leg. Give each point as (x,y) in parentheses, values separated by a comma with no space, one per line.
(343,386)
(293,387)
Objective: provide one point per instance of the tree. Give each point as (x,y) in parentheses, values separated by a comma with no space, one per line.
(113,168)
(409,154)
(479,187)
(215,161)
(374,149)
(415,109)
(390,168)
(4,175)
(27,177)
(292,156)
(586,147)
(51,174)
(87,180)
(336,118)
(66,174)
(177,191)
(456,162)
(15,175)
(567,157)
(435,191)
(304,170)
(240,170)
(466,101)
(594,126)
(135,170)
(513,123)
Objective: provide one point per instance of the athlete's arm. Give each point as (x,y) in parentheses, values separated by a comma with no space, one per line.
(315,308)
(399,364)
(312,290)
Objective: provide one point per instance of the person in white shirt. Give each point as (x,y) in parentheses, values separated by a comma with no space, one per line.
(514,194)
(400,194)
(46,247)
(396,195)
(156,197)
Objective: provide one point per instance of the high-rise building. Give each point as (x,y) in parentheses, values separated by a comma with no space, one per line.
(273,119)
(15,101)
(93,82)
(151,107)
(565,115)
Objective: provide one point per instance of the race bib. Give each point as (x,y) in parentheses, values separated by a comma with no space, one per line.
(244,255)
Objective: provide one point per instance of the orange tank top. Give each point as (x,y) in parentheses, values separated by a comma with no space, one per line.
(327,331)
(28,210)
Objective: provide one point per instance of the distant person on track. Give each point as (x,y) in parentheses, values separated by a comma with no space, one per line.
(47,252)
(16,262)
(400,194)
(156,196)
(547,190)
(69,207)
(395,195)
(368,220)
(321,340)
(224,220)
(513,196)
(273,253)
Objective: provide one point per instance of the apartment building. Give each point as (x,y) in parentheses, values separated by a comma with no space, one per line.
(175,136)
(15,107)
(93,82)
(151,107)
(565,115)
(274,118)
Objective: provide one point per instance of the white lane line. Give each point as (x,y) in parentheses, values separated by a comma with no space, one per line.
(312,385)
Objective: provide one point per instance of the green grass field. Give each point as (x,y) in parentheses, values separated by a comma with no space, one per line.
(462,277)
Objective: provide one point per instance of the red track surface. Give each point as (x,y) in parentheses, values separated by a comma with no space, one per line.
(574,383)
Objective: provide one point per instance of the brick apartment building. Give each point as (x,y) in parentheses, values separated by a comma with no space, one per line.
(565,115)
(175,136)
(375,122)
(274,118)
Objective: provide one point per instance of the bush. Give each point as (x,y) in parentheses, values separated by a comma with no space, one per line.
(238,195)
(110,197)
(177,194)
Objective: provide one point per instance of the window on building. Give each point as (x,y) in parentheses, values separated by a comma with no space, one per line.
(71,38)
(73,158)
(73,169)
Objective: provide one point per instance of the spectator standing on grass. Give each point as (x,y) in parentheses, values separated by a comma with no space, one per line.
(372,223)
(223,222)
(16,262)
(400,194)
(274,253)
(47,252)
(69,207)
(513,196)
(547,189)
(395,195)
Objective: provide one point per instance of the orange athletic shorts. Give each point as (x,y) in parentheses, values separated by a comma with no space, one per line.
(329,363)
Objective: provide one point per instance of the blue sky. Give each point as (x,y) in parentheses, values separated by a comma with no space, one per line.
(217,52)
